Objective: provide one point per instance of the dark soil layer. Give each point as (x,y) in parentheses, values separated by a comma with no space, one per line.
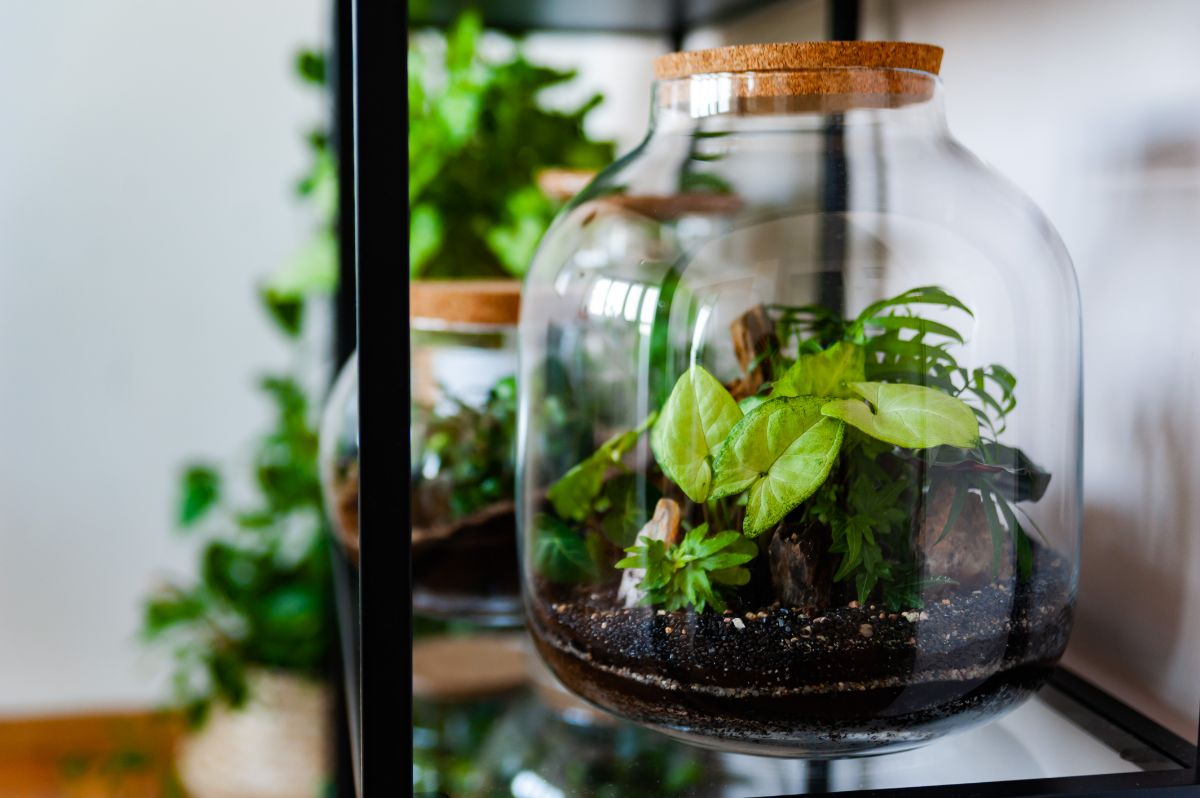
(470,574)
(773,680)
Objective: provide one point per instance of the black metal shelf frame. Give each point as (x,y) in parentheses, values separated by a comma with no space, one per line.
(670,18)
(368,66)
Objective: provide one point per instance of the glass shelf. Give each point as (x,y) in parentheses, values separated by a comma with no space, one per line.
(538,744)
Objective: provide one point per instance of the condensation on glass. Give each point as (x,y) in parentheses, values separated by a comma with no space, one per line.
(464,552)
(799,431)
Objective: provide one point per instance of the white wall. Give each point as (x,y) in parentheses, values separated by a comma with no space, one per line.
(148,156)
(791,20)
(617,65)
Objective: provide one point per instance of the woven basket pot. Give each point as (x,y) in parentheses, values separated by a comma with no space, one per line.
(276,746)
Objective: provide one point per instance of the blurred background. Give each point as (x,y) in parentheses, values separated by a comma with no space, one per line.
(166,212)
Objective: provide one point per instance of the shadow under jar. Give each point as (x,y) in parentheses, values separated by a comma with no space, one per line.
(826,501)
(464,411)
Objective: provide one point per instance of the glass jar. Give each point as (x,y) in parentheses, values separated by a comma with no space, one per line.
(464,551)
(827,501)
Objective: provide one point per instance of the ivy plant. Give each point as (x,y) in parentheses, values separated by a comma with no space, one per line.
(478,134)
(261,595)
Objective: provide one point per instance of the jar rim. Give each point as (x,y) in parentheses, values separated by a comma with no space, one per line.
(784,56)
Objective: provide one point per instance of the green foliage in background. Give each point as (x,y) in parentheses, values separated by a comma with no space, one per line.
(313,270)
(262,594)
(477,138)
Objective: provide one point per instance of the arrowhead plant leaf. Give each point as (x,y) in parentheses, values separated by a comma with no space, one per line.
(910,416)
(824,373)
(696,418)
(780,453)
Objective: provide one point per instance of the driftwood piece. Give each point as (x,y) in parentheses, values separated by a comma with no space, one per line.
(664,526)
(753,336)
(801,567)
(965,554)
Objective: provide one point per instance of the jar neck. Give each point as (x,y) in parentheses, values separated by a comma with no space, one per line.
(905,101)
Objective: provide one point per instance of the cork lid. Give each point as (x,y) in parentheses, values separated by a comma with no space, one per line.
(485,302)
(799,55)
(807,76)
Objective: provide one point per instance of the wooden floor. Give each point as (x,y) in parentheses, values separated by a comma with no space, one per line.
(112,755)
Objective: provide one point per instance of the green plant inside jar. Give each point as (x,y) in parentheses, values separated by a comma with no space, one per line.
(828,528)
(463,514)
(464,524)
(863,451)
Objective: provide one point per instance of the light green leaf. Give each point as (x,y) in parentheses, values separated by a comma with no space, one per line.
(750,402)
(696,418)
(513,241)
(911,416)
(574,493)
(312,271)
(426,234)
(825,373)
(781,452)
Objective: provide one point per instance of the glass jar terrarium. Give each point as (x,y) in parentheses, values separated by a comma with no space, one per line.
(464,552)
(827,501)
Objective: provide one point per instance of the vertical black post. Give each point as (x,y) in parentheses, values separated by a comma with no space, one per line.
(816,777)
(341,77)
(381,238)
(835,184)
(843,20)
(678,25)
(349,747)
(346,658)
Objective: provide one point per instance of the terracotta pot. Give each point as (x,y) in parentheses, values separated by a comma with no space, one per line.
(276,746)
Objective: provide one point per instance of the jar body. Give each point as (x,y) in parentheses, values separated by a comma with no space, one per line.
(757,307)
(463,427)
